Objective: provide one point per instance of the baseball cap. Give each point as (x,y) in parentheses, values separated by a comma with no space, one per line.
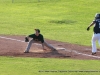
(37,30)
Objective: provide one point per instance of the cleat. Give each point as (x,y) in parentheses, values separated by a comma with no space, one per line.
(26,52)
(54,50)
(93,53)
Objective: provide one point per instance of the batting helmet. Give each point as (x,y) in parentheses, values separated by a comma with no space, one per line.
(97,15)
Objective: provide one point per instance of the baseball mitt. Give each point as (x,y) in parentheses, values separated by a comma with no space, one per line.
(26,39)
(88,28)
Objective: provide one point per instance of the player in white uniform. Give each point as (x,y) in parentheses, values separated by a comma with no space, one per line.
(96,35)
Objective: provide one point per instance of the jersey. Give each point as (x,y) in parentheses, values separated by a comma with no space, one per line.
(97,26)
(37,38)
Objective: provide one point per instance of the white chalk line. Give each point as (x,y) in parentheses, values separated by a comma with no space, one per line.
(82,53)
(78,52)
(11,39)
(57,48)
(90,49)
(16,40)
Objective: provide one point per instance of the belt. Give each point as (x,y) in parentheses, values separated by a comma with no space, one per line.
(96,33)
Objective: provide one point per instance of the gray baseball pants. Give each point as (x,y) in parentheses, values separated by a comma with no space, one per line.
(33,41)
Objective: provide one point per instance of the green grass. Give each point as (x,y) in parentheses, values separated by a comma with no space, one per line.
(61,20)
(45,66)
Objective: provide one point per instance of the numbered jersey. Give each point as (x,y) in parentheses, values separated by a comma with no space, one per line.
(97,26)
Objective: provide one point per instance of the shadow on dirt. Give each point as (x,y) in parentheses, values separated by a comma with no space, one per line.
(53,54)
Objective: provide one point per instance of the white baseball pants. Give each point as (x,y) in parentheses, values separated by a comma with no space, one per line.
(95,37)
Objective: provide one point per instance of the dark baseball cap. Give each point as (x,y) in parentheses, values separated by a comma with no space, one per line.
(37,30)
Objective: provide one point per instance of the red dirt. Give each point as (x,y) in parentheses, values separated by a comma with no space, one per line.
(16,49)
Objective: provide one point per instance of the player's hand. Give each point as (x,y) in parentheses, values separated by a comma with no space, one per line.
(88,28)
(44,49)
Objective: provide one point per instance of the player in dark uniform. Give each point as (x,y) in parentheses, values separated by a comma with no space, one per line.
(96,35)
(37,38)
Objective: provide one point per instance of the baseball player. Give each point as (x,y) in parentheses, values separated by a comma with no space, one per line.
(96,35)
(37,38)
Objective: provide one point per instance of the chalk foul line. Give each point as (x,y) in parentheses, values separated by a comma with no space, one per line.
(16,40)
(57,48)
(80,53)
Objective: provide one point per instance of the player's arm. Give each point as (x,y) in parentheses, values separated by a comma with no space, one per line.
(91,24)
(43,46)
(27,38)
(88,28)
(42,40)
(31,36)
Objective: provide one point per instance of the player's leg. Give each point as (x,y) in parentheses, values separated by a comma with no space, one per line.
(49,46)
(99,39)
(29,45)
(94,38)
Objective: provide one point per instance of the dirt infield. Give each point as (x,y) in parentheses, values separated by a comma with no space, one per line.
(15,46)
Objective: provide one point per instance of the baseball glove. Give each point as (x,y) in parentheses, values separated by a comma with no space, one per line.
(26,39)
(88,28)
